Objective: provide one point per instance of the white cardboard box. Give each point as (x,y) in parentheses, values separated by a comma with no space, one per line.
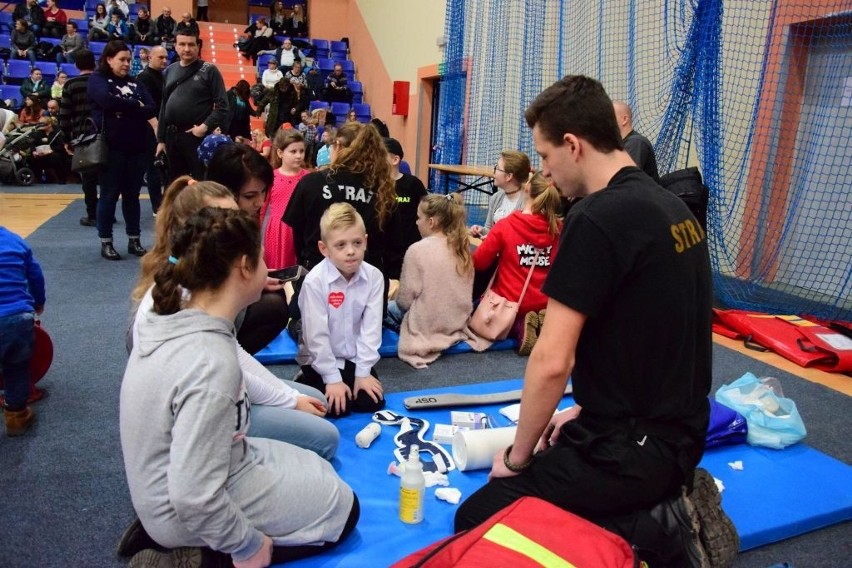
(469,420)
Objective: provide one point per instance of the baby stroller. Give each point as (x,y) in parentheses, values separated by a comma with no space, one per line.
(14,167)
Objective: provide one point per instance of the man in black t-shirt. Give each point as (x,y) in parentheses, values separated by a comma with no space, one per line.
(628,318)
(639,147)
(402,229)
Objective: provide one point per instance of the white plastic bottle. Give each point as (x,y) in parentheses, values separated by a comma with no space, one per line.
(412,488)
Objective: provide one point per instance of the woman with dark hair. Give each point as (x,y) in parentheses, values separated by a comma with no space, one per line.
(31,111)
(121,108)
(55,19)
(277,18)
(98,23)
(249,176)
(240,110)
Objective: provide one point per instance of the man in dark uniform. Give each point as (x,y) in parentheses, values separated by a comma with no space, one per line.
(639,147)
(152,78)
(628,319)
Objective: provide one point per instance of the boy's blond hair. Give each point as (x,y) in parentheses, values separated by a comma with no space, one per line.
(340,216)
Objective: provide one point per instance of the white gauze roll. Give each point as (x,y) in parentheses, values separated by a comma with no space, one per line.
(475,449)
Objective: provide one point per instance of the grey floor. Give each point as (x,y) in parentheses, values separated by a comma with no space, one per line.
(64,496)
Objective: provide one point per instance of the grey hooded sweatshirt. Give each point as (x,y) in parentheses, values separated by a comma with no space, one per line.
(195,478)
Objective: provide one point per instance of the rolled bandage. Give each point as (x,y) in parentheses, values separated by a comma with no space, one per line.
(365,437)
(475,449)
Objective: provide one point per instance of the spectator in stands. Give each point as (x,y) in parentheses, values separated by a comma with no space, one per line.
(201,13)
(327,139)
(119,7)
(23,42)
(31,13)
(152,79)
(351,116)
(297,23)
(117,28)
(308,128)
(74,109)
(337,86)
(49,160)
(639,147)
(191,110)
(98,24)
(315,82)
(144,30)
(52,110)
(295,75)
(401,229)
(261,143)
(278,18)
(287,55)
(188,26)
(58,84)
(271,75)
(511,172)
(240,109)
(71,44)
(35,85)
(165,26)
(140,62)
(280,104)
(31,111)
(55,20)
(260,41)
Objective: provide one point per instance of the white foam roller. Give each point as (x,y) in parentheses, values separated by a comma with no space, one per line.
(475,449)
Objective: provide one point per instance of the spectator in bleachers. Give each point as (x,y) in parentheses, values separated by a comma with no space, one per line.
(260,41)
(55,19)
(144,30)
(117,28)
(277,17)
(49,160)
(297,23)
(35,85)
(271,75)
(71,44)
(351,116)
(261,143)
(295,75)
(287,55)
(187,26)
(140,62)
(324,153)
(201,13)
(337,86)
(315,83)
(119,7)
(240,111)
(280,104)
(52,109)
(166,27)
(31,111)
(30,12)
(98,24)
(58,84)
(23,42)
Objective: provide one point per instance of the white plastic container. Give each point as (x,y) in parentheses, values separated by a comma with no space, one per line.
(412,488)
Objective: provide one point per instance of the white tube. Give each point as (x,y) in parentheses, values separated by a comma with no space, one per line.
(475,449)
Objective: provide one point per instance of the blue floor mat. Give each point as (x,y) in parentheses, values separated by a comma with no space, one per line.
(779,494)
(283,349)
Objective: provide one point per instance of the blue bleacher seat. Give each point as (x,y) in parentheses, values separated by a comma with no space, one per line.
(82,25)
(134,9)
(340,110)
(362,111)
(357,91)
(97,47)
(7,22)
(6,40)
(16,71)
(51,40)
(70,69)
(317,104)
(325,64)
(339,50)
(48,70)
(262,60)
(11,93)
(321,48)
(348,66)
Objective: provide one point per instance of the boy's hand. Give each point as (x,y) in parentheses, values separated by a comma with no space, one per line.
(369,385)
(310,405)
(261,559)
(337,394)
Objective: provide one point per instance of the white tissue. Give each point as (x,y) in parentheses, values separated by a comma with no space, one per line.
(737,465)
(449,494)
(512,412)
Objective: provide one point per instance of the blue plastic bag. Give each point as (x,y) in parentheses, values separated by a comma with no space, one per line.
(773,421)
(727,426)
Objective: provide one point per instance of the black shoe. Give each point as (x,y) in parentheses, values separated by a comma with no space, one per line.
(189,557)
(135,247)
(88,222)
(134,540)
(109,252)
(718,534)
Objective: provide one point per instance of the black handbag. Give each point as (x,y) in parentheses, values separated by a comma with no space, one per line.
(91,151)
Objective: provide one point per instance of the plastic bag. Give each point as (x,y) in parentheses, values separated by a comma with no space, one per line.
(727,426)
(773,421)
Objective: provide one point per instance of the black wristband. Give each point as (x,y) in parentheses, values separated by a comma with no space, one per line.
(512,467)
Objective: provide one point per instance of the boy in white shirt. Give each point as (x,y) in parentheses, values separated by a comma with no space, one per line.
(271,75)
(341,301)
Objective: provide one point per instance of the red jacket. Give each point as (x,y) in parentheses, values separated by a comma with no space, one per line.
(515,239)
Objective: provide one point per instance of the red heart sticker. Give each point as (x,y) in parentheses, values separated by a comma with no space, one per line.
(335,299)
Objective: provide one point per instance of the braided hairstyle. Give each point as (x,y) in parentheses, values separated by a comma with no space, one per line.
(449,215)
(203,253)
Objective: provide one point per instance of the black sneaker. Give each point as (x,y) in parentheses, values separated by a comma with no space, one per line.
(679,520)
(718,534)
(88,222)
(135,539)
(189,557)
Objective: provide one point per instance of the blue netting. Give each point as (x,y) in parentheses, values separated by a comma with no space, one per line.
(758,95)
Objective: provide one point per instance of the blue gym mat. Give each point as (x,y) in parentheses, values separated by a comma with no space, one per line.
(778,494)
(283,349)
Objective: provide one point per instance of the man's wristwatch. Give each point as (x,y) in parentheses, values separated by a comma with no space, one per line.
(513,467)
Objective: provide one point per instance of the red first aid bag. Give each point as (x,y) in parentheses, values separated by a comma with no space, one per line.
(528,533)
(804,342)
